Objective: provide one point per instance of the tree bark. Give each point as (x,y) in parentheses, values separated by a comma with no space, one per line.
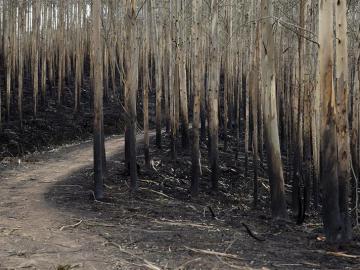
(275,170)
(183,80)
(146,83)
(61,58)
(213,92)
(344,155)
(35,53)
(98,99)
(197,61)
(131,84)
(22,12)
(329,165)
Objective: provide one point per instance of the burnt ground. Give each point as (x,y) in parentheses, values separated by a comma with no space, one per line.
(56,124)
(50,220)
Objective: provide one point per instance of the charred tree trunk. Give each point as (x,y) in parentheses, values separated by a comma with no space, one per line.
(131,84)
(98,99)
(275,170)
(197,61)
(344,155)
(329,165)
(183,80)
(213,92)
(61,57)
(22,12)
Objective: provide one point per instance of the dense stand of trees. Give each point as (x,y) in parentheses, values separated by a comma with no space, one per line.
(272,74)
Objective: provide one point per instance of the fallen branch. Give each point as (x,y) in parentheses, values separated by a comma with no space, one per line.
(287,264)
(187,263)
(228,264)
(342,254)
(159,193)
(175,223)
(252,234)
(71,226)
(95,224)
(215,253)
(148,264)
(97,201)
(336,254)
(230,245)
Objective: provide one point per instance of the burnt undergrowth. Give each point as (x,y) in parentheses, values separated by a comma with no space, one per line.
(163,225)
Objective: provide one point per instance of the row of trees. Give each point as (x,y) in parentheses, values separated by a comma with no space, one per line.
(271,73)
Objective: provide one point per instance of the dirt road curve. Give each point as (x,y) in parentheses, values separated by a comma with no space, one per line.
(30,229)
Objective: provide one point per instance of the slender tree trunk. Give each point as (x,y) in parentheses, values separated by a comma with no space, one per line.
(275,170)
(98,98)
(308,89)
(35,53)
(44,53)
(316,132)
(213,92)
(329,165)
(167,67)
(197,61)
(167,64)
(7,54)
(61,58)
(254,97)
(158,81)
(146,83)
(22,14)
(78,69)
(227,71)
(172,79)
(131,84)
(355,138)
(183,81)
(344,155)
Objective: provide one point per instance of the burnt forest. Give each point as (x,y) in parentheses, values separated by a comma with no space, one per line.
(179,134)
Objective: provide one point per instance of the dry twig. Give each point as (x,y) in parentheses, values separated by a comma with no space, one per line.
(148,264)
(71,226)
(215,253)
(175,223)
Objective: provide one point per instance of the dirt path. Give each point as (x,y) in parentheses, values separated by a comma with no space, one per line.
(30,235)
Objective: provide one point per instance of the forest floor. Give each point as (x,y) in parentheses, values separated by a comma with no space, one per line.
(49,219)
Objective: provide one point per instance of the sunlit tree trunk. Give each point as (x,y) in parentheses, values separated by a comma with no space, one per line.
(131,84)
(158,78)
(61,57)
(7,17)
(344,155)
(355,138)
(213,92)
(329,164)
(275,170)
(197,61)
(22,15)
(44,52)
(167,68)
(146,82)
(308,90)
(172,77)
(183,79)
(316,131)
(78,56)
(35,52)
(254,98)
(227,70)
